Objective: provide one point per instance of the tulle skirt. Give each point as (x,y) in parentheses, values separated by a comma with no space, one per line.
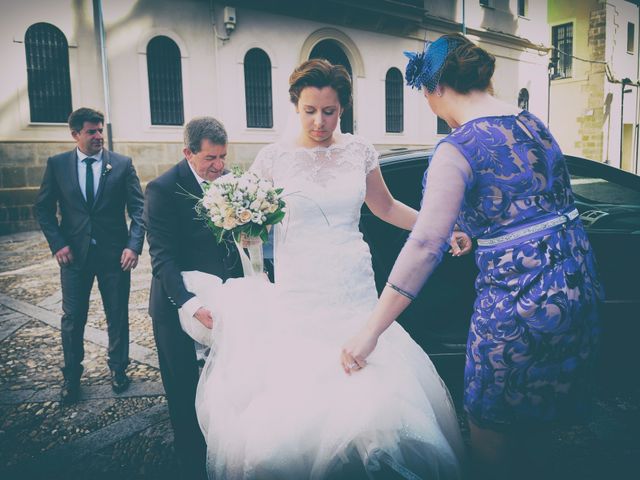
(274,402)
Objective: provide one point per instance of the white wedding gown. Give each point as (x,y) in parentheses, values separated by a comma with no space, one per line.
(273,401)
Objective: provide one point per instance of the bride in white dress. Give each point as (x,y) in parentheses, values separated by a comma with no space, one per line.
(273,400)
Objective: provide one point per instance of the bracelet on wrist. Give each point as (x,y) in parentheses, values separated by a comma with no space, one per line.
(401,291)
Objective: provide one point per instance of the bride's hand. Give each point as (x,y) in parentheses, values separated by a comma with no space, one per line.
(356,350)
(204,317)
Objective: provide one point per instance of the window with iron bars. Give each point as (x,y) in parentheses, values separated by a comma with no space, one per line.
(394,101)
(165,82)
(48,81)
(257,87)
(443,127)
(562,41)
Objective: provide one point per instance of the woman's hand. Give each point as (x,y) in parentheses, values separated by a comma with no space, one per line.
(356,350)
(460,242)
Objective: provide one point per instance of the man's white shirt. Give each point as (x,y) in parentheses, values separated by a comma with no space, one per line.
(82,171)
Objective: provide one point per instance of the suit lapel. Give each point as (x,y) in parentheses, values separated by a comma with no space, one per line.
(104,175)
(72,168)
(187,181)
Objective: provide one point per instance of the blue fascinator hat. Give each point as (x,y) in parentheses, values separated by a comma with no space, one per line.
(424,69)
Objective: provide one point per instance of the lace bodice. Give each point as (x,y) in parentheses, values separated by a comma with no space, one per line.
(319,241)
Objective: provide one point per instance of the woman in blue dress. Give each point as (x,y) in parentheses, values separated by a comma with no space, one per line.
(500,177)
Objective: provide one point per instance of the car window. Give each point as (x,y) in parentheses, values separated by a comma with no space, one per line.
(598,191)
(606,205)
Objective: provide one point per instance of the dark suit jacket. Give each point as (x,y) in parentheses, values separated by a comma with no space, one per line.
(119,188)
(178,241)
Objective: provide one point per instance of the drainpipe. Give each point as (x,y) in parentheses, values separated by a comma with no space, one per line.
(625,82)
(552,70)
(464,23)
(97,5)
(636,129)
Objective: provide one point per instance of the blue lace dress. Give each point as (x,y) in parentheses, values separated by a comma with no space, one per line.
(534,329)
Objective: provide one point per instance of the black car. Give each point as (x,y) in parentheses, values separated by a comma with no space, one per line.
(608,200)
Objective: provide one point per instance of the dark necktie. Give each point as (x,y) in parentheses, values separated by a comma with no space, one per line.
(89,181)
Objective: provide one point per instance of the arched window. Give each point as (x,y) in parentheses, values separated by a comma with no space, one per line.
(394,101)
(165,82)
(47,73)
(257,89)
(523,99)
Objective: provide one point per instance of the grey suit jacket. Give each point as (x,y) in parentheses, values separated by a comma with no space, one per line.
(178,241)
(119,189)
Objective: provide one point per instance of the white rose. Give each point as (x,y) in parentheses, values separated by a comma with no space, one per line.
(244,216)
(215,195)
(229,223)
(224,179)
(217,220)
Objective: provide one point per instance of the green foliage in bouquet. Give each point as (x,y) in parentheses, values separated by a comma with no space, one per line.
(241,203)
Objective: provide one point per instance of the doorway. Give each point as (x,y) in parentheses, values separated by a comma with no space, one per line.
(332,51)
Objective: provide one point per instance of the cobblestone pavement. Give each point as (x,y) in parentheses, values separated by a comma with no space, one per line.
(128,436)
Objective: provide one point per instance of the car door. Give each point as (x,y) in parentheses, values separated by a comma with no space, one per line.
(608,200)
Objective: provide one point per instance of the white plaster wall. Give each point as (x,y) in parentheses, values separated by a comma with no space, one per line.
(212,69)
(502,17)
(568,101)
(570,96)
(75,19)
(378,54)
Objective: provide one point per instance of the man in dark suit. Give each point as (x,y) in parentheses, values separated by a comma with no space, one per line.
(180,242)
(92,187)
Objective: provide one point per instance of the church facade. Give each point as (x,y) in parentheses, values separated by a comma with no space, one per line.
(151,65)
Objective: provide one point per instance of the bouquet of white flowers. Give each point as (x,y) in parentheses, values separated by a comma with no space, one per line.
(243,204)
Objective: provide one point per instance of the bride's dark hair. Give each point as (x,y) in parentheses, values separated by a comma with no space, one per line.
(320,73)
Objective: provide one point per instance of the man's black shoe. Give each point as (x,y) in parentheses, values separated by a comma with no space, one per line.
(70,392)
(119,381)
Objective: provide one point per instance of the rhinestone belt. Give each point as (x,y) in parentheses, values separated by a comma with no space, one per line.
(538,227)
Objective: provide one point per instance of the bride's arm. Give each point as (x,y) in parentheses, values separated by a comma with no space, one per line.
(447,180)
(384,206)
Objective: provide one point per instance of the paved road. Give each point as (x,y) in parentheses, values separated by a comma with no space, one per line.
(128,436)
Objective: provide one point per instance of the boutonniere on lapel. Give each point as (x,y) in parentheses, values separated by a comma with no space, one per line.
(107,169)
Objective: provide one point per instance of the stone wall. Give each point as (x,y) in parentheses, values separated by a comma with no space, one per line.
(22,166)
(591,124)
(21,169)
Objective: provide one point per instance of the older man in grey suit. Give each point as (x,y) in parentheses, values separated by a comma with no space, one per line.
(92,187)
(178,242)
